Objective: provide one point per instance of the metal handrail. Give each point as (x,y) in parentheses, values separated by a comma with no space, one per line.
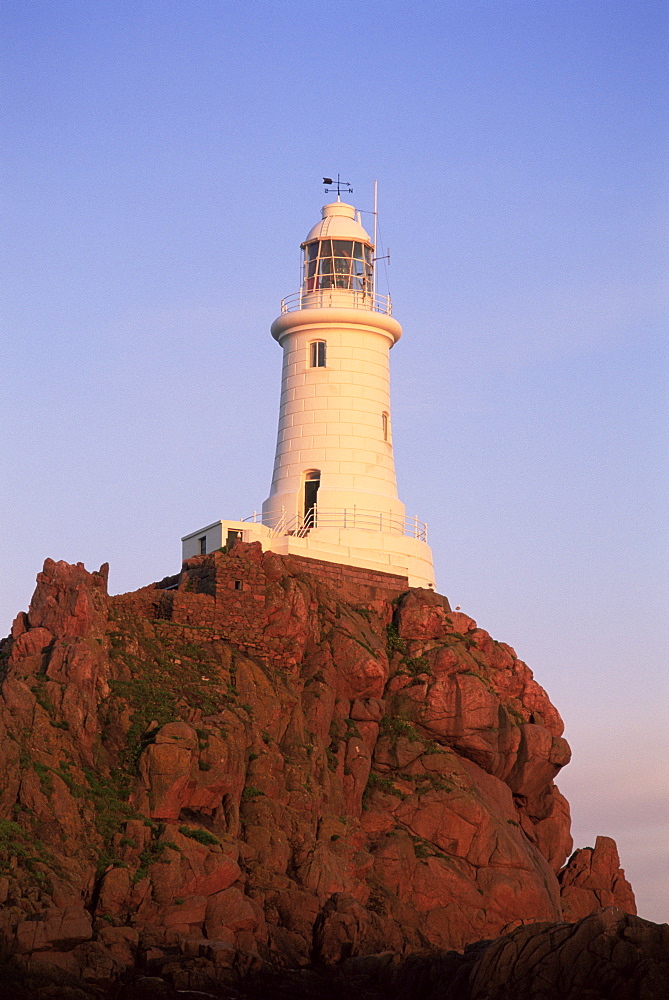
(337,297)
(346,517)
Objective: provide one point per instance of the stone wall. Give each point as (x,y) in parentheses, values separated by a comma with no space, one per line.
(351,581)
(222,596)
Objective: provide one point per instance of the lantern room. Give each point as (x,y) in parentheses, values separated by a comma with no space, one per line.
(337,252)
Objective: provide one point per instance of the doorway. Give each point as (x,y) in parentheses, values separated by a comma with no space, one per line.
(312,481)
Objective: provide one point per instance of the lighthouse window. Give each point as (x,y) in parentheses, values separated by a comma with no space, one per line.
(310,266)
(337,264)
(317,353)
(384,424)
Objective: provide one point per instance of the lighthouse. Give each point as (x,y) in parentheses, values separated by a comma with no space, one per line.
(333,494)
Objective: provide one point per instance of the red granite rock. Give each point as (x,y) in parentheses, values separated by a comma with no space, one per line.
(70,602)
(55,928)
(592,879)
(270,760)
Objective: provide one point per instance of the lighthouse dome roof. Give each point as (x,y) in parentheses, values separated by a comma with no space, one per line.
(339,223)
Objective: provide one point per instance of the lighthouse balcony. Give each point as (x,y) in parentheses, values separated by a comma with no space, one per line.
(337,298)
(351,517)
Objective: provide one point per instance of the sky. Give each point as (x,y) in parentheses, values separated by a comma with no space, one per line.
(161,164)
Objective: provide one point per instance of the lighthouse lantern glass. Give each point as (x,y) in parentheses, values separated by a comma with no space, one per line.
(337,264)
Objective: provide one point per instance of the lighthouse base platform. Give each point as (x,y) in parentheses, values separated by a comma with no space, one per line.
(385,552)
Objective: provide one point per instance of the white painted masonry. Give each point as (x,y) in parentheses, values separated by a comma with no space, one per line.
(334,493)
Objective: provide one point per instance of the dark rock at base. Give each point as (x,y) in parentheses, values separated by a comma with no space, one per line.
(18,984)
(609,955)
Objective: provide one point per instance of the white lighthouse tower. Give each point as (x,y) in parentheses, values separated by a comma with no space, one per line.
(334,493)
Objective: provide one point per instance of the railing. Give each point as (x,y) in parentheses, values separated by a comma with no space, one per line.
(327,298)
(347,517)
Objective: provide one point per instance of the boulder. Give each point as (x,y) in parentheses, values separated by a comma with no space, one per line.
(610,954)
(593,879)
(57,928)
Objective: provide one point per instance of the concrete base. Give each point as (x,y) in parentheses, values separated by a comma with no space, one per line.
(374,550)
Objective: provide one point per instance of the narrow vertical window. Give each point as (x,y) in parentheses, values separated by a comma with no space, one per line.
(203,545)
(317,353)
(384,424)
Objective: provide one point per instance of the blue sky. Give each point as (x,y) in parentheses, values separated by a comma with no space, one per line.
(161,165)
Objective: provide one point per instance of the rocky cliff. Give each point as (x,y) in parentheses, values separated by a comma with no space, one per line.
(273,762)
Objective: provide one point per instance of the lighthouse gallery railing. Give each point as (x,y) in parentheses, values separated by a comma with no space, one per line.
(348,517)
(333,298)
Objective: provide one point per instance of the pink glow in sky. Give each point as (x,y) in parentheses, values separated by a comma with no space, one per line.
(161,166)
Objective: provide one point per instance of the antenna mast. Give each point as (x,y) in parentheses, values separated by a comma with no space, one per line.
(376,228)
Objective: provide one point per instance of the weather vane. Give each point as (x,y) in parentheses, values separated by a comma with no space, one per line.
(341,186)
